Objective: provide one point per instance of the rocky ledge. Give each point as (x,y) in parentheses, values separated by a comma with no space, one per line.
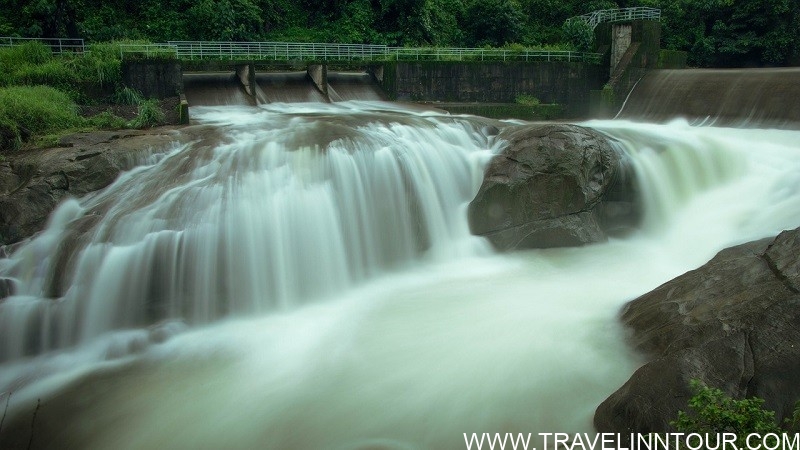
(554,185)
(734,324)
(32,183)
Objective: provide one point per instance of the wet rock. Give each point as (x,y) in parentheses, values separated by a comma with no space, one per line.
(733,323)
(554,185)
(34,182)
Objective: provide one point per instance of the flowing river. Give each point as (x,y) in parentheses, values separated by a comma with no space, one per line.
(310,282)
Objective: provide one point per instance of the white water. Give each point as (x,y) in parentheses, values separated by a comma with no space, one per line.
(342,327)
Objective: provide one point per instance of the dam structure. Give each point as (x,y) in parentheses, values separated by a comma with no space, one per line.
(215,73)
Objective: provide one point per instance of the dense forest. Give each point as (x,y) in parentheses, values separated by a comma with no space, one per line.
(716,33)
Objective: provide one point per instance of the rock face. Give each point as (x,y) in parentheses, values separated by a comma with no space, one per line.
(33,183)
(554,185)
(733,323)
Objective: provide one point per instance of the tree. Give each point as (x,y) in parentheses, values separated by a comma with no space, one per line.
(421,22)
(579,34)
(494,22)
(225,20)
(727,33)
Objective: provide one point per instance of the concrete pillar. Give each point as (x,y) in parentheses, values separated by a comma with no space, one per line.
(377,73)
(319,76)
(247,77)
(620,41)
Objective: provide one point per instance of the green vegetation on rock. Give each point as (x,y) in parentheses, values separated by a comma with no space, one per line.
(715,412)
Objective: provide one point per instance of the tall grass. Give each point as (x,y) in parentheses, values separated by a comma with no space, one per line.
(30,110)
(32,63)
(150,115)
(127,96)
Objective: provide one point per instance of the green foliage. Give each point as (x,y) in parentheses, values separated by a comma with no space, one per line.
(793,422)
(726,33)
(127,96)
(26,111)
(494,22)
(10,136)
(224,20)
(715,33)
(715,412)
(579,34)
(527,100)
(671,59)
(150,115)
(32,64)
(38,108)
(108,121)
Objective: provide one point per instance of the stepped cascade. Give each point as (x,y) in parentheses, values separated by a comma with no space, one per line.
(308,280)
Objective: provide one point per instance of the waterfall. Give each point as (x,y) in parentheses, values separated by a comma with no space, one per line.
(287,210)
(309,281)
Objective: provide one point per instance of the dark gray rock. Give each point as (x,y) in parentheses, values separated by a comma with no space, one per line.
(733,323)
(554,185)
(34,182)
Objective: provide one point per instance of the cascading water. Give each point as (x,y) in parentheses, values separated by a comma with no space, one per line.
(320,258)
(273,217)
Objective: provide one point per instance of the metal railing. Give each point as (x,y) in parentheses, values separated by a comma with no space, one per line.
(57,45)
(148,51)
(327,52)
(595,18)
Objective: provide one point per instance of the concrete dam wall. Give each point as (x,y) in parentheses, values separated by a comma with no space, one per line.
(721,97)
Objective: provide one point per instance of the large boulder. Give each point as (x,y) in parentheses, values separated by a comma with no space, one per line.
(734,324)
(554,185)
(33,183)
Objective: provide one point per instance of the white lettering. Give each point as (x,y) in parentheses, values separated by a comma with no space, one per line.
(747,441)
(473,438)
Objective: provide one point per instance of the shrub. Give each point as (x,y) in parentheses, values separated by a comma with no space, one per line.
(715,412)
(579,34)
(149,115)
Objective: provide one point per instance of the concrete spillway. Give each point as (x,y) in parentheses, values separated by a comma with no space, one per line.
(218,89)
(287,87)
(732,97)
(355,86)
(215,89)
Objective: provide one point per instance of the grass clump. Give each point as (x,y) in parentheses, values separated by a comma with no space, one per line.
(34,110)
(127,96)
(150,115)
(527,100)
(106,120)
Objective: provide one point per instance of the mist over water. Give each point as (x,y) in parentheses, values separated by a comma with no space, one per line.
(310,282)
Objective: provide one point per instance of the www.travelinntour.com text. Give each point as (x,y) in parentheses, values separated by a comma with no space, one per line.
(632,441)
